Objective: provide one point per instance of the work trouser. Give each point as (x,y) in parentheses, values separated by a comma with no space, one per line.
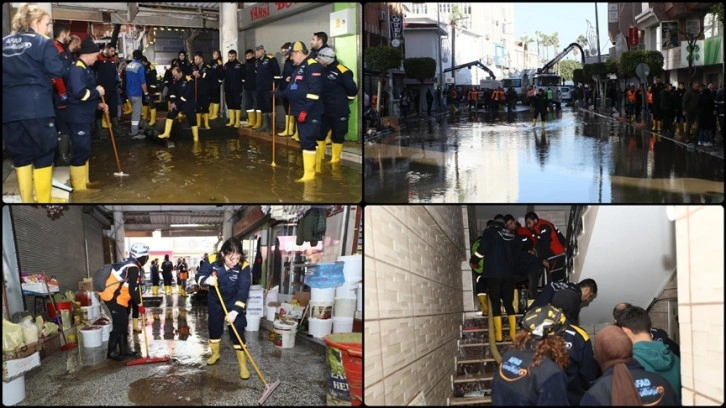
(111,98)
(233,98)
(309,131)
(481,284)
(216,322)
(136,104)
(202,105)
(214,96)
(529,266)
(31,141)
(167,276)
(155,279)
(134,309)
(119,319)
(251,100)
(501,289)
(188,110)
(691,118)
(151,104)
(264,100)
(338,125)
(541,113)
(80,142)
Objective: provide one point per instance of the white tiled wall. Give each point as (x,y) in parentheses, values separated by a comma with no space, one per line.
(413,301)
(700,252)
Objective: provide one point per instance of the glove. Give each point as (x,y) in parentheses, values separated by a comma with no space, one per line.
(142,309)
(211,280)
(146,99)
(474,261)
(301,118)
(231,316)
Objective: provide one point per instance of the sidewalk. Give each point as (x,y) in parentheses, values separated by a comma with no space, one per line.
(716,151)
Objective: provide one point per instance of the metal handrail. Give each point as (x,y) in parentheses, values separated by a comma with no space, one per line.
(574,228)
(656,300)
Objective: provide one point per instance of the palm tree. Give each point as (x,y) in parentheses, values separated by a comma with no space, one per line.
(555,42)
(582,41)
(538,38)
(546,42)
(525,44)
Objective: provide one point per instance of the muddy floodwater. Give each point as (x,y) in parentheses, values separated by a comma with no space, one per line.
(575,157)
(221,168)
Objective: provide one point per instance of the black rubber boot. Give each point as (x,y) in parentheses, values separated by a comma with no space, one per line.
(126,348)
(113,353)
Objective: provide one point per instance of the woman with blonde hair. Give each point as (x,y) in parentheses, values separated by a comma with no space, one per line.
(30,137)
(532,373)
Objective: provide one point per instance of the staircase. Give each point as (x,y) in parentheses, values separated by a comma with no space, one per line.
(475,364)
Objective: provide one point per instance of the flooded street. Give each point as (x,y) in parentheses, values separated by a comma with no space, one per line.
(576,157)
(221,168)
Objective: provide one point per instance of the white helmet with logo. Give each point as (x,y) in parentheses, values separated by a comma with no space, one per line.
(138,250)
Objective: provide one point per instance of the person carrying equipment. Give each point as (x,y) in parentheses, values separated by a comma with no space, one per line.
(231,274)
(550,245)
(575,296)
(122,288)
(182,95)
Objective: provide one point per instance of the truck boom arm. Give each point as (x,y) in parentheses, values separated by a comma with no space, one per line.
(471,64)
(561,55)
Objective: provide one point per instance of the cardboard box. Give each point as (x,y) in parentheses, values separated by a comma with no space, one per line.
(23,351)
(39,287)
(51,345)
(13,369)
(86,284)
(302,297)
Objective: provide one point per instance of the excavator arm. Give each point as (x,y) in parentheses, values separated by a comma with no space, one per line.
(471,64)
(548,66)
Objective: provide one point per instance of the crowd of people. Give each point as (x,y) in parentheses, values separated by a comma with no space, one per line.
(68,89)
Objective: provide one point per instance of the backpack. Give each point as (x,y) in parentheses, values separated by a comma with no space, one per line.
(479,266)
(101,276)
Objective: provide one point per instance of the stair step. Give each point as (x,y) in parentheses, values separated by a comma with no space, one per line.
(475,360)
(471,400)
(464,379)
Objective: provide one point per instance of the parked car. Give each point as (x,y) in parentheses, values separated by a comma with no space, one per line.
(566,96)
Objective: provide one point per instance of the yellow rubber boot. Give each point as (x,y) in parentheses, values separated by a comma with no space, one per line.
(144,112)
(25,183)
(214,345)
(205,116)
(534,122)
(337,151)
(296,135)
(484,304)
(258,120)
(244,373)
(328,137)
(237,113)
(195,133)
(529,303)
(167,129)
(135,325)
(319,155)
(212,111)
(230,113)
(127,107)
(199,119)
(286,132)
(251,121)
(154,291)
(167,289)
(43,180)
(497,328)
(78,178)
(309,165)
(152,117)
(512,326)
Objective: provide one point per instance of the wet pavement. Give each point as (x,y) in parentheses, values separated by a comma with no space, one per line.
(223,167)
(576,157)
(83,376)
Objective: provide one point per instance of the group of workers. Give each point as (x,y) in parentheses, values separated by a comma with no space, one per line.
(230,273)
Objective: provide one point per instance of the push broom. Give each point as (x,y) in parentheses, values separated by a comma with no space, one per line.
(269,388)
(147,359)
(120,172)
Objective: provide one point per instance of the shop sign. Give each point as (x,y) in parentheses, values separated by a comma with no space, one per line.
(612,13)
(396,30)
(262,11)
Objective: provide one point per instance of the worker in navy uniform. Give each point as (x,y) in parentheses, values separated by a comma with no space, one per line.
(29,133)
(317,43)
(624,381)
(655,333)
(216,79)
(250,85)
(582,369)
(182,275)
(303,92)
(182,62)
(62,35)
(578,295)
(152,85)
(121,291)
(268,71)
(234,75)
(107,76)
(339,89)
(182,97)
(84,99)
(155,277)
(532,373)
(232,276)
(202,81)
(287,68)
(166,267)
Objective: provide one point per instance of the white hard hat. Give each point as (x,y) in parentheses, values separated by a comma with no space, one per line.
(138,250)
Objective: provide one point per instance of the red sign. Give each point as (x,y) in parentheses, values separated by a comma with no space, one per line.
(258,12)
(283,6)
(633,36)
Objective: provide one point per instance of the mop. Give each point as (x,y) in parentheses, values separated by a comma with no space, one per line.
(147,359)
(274,135)
(120,172)
(269,388)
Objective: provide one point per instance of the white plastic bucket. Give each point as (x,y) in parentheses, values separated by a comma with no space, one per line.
(92,336)
(287,334)
(322,295)
(344,307)
(321,310)
(353,269)
(255,304)
(271,310)
(105,331)
(319,328)
(359,297)
(342,325)
(14,391)
(346,290)
(253,323)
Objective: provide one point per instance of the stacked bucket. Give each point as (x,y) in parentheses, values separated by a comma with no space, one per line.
(322,300)
(255,308)
(346,294)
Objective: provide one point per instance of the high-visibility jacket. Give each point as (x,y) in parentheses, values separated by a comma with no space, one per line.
(650,97)
(631,96)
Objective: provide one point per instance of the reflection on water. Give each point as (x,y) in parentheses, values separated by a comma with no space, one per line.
(574,158)
(215,170)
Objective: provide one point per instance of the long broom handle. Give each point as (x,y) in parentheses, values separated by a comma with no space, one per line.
(273,124)
(234,329)
(113,140)
(143,321)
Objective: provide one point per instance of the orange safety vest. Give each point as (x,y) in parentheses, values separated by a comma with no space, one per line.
(114,279)
(631,96)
